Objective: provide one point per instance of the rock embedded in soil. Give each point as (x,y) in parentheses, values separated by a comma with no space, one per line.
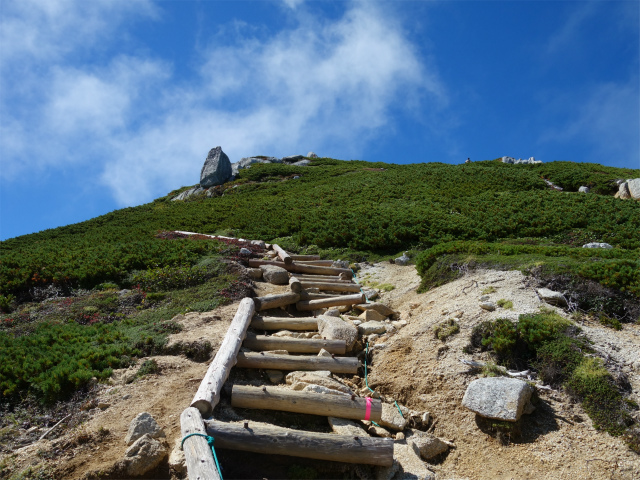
(333,328)
(488,306)
(391,418)
(145,454)
(275,376)
(499,398)
(368,328)
(274,274)
(372,315)
(426,445)
(381,308)
(552,298)
(177,461)
(254,273)
(300,380)
(343,426)
(143,424)
(407,464)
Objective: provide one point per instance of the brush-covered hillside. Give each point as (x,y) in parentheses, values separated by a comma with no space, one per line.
(83,299)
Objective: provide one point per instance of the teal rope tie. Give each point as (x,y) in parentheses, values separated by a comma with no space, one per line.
(210,441)
(358,283)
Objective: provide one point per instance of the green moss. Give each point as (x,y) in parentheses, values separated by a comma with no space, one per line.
(508,304)
(446,329)
(488,290)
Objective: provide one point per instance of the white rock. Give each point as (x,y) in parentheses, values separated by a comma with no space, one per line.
(552,298)
(391,418)
(143,424)
(633,186)
(145,454)
(342,426)
(584,189)
(597,245)
(368,328)
(499,398)
(488,306)
(324,353)
(177,461)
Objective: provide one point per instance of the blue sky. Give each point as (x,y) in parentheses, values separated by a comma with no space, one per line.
(112,103)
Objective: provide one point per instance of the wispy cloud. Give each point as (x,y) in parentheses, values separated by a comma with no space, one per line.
(326,85)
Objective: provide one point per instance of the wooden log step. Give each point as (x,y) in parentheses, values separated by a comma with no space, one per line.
(277,323)
(208,393)
(296,257)
(331,286)
(301,268)
(322,278)
(260,343)
(315,296)
(309,305)
(275,301)
(342,406)
(283,441)
(322,263)
(197,452)
(295,285)
(297,362)
(284,256)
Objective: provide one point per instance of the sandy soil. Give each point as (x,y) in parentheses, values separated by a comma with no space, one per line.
(558,440)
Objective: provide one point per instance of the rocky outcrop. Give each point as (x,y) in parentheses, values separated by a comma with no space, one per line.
(246,162)
(634,188)
(292,158)
(216,169)
(311,155)
(520,161)
(499,398)
(403,260)
(596,245)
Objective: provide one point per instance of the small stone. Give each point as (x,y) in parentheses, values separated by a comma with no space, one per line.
(379,431)
(425,418)
(254,273)
(177,461)
(489,306)
(391,418)
(342,426)
(332,312)
(584,189)
(275,376)
(245,252)
(324,353)
(126,397)
(403,260)
(399,436)
(552,298)
(381,308)
(372,315)
(426,445)
(103,405)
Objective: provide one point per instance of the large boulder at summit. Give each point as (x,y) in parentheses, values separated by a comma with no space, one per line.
(216,169)
(634,188)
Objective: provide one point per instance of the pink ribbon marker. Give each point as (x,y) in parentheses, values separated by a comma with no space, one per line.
(367,415)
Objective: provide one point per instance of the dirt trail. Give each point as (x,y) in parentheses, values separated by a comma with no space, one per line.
(558,440)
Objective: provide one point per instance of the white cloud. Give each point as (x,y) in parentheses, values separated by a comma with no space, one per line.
(320,86)
(325,85)
(293,4)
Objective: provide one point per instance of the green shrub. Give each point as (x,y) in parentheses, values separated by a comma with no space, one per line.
(148,367)
(446,329)
(508,304)
(608,321)
(501,336)
(601,399)
(175,277)
(5,302)
(488,290)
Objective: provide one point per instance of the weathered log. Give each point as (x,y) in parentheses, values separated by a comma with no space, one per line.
(197,452)
(297,362)
(284,256)
(331,286)
(277,323)
(270,398)
(301,268)
(275,301)
(304,295)
(208,393)
(261,343)
(322,263)
(308,305)
(295,285)
(295,257)
(321,278)
(296,443)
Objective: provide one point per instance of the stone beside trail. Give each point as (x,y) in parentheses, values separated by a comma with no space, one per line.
(499,398)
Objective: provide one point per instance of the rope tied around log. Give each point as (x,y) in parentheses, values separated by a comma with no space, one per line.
(210,441)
